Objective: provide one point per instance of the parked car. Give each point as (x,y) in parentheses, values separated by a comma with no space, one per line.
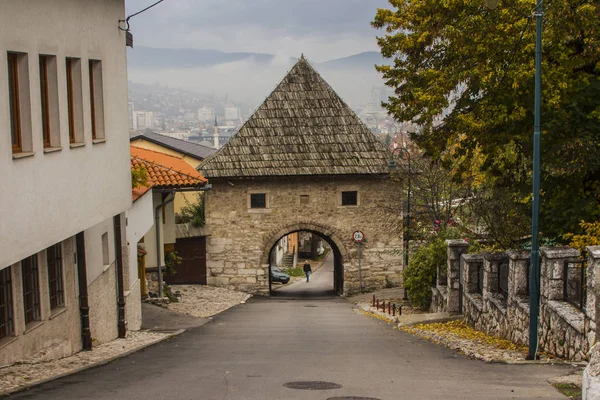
(279,276)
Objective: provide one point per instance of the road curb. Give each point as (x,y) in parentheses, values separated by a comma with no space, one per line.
(92,365)
(432,321)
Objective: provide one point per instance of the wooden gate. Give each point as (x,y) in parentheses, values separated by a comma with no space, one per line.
(193,265)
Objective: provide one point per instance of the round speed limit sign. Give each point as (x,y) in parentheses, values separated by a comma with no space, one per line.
(358,236)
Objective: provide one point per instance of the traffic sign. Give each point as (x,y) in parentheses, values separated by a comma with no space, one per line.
(358,236)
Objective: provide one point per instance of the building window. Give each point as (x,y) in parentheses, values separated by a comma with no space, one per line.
(19,102)
(55,276)
(258,200)
(15,109)
(74,100)
(6,304)
(31,289)
(49,101)
(105,255)
(350,198)
(96,99)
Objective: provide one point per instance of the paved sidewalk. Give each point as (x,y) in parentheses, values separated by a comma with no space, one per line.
(161,319)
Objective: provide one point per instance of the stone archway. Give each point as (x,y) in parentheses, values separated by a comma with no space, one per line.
(326,233)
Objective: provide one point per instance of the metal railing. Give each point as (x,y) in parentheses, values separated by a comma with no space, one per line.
(575,283)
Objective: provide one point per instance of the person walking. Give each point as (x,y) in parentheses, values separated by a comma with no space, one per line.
(307,270)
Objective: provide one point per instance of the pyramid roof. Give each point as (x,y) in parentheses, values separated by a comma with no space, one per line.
(302,128)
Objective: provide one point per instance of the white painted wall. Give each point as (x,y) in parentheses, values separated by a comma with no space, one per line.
(93,249)
(140,219)
(167,232)
(49,197)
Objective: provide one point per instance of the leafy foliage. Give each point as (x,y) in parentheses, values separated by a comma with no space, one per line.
(466,75)
(172,260)
(421,271)
(296,271)
(193,212)
(590,236)
(139,177)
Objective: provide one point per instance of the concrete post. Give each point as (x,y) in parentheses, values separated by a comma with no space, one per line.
(455,249)
(593,288)
(518,275)
(552,269)
(470,264)
(491,269)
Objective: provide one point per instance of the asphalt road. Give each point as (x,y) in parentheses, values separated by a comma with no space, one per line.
(250,351)
(319,285)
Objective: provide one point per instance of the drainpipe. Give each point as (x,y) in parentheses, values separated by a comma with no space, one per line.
(84,309)
(120,291)
(158,247)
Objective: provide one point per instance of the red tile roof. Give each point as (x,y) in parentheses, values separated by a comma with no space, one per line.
(139,191)
(164,171)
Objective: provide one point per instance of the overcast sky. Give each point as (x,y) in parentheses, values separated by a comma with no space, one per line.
(321,29)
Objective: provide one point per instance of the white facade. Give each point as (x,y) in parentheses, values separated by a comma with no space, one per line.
(143,120)
(232,113)
(206,113)
(140,220)
(177,135)
(79,179)
(130,113)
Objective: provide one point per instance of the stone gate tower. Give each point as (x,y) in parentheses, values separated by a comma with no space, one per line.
(302,162)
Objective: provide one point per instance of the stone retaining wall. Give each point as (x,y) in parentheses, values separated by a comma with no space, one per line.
(564,330)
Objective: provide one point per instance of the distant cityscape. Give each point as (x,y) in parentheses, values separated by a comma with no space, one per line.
(212,119)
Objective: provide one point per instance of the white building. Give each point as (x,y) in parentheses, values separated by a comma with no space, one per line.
(143,120)
(232,113)
(206,113)
(65,178)
(131,112)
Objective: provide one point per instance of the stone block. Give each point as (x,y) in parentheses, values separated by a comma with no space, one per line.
(215,264)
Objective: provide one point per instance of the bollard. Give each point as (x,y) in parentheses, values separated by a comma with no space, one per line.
(394,310)
(377,304)
(389,307)
(399,310)
(373,300)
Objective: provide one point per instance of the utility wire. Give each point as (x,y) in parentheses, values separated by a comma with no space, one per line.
(138,13)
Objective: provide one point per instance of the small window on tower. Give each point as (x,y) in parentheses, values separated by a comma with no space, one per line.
(350,198)
(304,198)
(258,200)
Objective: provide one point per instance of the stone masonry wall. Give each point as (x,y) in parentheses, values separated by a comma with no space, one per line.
(240,238)
(564,330)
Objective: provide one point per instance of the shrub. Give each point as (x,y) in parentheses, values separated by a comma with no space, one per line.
(192,212)
(590,236)
(421,271)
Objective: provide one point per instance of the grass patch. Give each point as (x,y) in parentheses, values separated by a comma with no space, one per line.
(569,390)
(322,256)
(298,271)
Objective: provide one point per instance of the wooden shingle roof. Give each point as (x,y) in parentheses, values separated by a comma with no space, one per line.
(302,128)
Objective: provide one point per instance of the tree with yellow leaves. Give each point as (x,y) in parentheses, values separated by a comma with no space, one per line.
(473,69)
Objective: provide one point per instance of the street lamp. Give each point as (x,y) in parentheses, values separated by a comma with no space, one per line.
(534,268)
(392,166)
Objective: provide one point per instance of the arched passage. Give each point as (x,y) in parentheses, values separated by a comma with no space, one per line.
(325,233)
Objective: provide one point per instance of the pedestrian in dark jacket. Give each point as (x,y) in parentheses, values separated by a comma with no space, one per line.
(307,269)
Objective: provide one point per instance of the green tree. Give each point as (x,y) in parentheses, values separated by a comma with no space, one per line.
(139,177)
(461,70)
(192,212)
